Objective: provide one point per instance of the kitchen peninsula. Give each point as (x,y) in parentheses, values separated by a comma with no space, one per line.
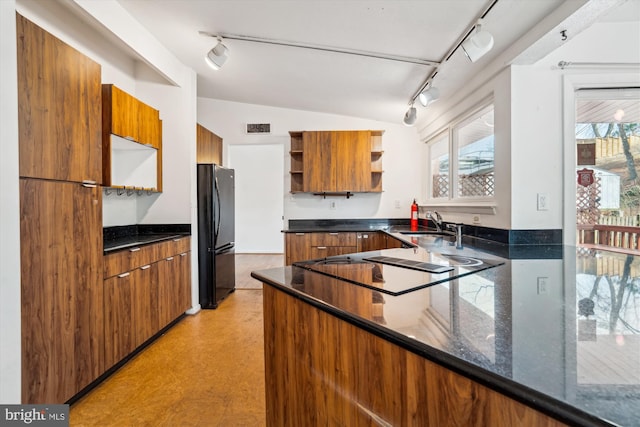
(348,342)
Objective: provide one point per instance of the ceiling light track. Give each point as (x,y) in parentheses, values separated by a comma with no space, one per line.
(398,58)
(453,50)
(564,64)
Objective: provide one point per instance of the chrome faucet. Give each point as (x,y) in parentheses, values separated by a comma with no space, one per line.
(436,218)
(458,233)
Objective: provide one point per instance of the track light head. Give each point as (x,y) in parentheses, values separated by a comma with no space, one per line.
(217,56)
(429,96)
(410,116)
(478,44)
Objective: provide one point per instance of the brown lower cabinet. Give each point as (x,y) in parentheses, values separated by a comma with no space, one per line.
(327,371)
(145,289)
(61,278)
(303,246)
(173,296)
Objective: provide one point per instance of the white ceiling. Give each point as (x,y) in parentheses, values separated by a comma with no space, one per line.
(329,82)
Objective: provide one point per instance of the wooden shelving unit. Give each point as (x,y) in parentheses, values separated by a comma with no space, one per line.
(297,168)
(366,159)
(376,160)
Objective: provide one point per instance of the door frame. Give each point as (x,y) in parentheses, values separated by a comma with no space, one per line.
(571,83)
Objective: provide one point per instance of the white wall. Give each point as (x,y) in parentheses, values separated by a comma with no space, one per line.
(402,161)
(536,147)
(10,338)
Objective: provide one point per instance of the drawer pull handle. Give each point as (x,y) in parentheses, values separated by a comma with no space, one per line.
(299,234)
(183,254)
(123,275)
(89,183)
(322,247)
(170,258)
(333,234)
(144,267)
(177,240)
(134,249)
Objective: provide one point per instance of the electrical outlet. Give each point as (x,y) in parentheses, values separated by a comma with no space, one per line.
(332,204)
(542,285)
(397,204)
(543,202)
(476,219)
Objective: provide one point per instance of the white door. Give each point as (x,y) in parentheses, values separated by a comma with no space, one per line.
(259,199)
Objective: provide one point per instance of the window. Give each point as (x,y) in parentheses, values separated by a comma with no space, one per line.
(470,143)
(439,155)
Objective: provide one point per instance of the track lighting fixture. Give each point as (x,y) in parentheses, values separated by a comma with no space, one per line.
(217,56)
(475,42)
(429,96)
(479,43)
(410,116)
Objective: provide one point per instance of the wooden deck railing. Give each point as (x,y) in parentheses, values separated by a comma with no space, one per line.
(616,238)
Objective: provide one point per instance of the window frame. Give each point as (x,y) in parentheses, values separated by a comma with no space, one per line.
(454,199)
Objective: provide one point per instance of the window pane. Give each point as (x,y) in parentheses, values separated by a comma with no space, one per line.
(439,155)
(475,149)
(608,146)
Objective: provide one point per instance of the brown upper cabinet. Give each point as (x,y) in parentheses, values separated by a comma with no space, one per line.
(149,125)
(126,116)
(131,142)
(336,161)
(58,108)
(209,146)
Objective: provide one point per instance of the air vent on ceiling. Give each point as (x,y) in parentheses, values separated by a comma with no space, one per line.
(258,128)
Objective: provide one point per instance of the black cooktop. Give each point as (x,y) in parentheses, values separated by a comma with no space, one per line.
(398,271)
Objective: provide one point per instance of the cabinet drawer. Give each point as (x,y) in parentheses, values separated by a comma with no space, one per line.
(326,251)
(178,245)
(129,259)
(333,239)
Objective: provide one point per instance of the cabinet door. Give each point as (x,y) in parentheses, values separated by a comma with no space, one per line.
(209,146)
(61,286)
(149,132)
(371,241)
(297,247)
(326,251)
(124,113)
(167,278)
(183,284)
(118,322)
(144,297)
(352,158)
(392,242)
(334,239)
(318,162)
(59,108)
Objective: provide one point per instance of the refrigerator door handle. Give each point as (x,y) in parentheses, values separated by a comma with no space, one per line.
(224,248)
(217,231)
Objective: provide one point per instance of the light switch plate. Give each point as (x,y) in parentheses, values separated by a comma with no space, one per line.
(542,285)
(543,202)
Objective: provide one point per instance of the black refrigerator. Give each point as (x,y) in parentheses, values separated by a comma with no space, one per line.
(216,230)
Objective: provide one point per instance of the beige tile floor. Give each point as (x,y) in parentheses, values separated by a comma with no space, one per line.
(208,370)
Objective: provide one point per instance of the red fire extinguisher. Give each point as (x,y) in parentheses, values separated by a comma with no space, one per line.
(414,215)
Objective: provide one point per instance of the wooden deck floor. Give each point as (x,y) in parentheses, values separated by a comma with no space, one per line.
(208,370)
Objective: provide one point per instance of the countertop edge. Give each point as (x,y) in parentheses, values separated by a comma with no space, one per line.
(160,238)
(539,401)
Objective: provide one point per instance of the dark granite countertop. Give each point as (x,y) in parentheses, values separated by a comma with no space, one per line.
(122,237)
(520,328)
